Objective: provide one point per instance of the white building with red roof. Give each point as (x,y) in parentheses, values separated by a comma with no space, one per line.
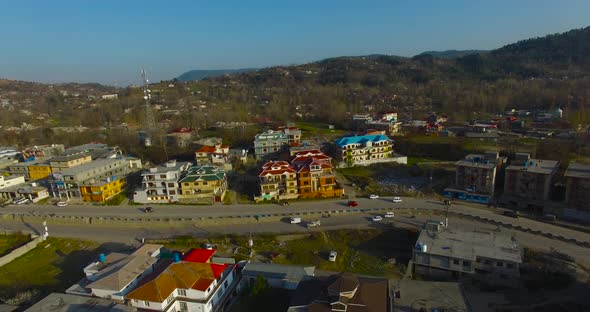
(278,181)
(217,155)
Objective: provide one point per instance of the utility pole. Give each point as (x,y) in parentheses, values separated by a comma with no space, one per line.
(150,123)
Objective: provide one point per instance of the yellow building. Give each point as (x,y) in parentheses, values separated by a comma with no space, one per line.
(39,171)
(102,191)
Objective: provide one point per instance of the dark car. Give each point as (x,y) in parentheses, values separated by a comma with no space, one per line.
(511,213)
(148,209)
(352,203)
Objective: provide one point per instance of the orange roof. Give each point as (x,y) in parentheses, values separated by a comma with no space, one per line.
(206,149)
(158,286)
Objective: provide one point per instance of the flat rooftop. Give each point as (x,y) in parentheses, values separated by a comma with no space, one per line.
(578,170)
(542,166)
(166,167)
(57,302)
(91,166)
(469,244)
(479,161)
(69,157)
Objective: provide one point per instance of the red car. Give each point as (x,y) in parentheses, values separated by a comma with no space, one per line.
(352,203)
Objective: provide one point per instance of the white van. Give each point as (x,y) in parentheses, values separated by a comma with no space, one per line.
(295,220)
(389,214)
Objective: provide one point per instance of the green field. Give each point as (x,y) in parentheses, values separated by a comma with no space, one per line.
(9,242)
(310,129)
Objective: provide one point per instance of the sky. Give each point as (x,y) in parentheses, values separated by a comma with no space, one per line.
(108,41)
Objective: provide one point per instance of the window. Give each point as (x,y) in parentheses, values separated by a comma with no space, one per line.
(182,292)
(478,259)
(146,303)
(488,262)
(183,306)
(466,263)
(204,182)
(225,284)
(135,300)
(169,299)
(162,176)
(172,192)
(510,265)
(499,264)
(170,184)
(456,262)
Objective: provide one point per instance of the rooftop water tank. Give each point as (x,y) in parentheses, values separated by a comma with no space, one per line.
(176,257)
(102,258)
(424,248)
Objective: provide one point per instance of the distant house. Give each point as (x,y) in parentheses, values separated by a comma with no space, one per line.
(367,149)
(206,183)
(216,155)
(109,96)
(271,141)
(277,275)
(160,184)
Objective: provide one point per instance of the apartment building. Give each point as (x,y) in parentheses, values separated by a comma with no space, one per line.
(102,190)
(528,181)
(278,180)
(68,182)
(315,175)
(577,191)
(11,180)
(160,184)
(475,177)
(364,150)
(274,141)
(451,254)
(43,151)
(95,150)
(203,183)
(60,163)
(39,171)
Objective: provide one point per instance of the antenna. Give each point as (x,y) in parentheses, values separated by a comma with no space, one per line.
(150,123)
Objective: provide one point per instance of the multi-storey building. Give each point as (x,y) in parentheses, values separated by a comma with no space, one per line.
(39,171)
(577,191)
(217,155)
(68,182)
(445,253)
(160,184)
(11,180)
(365,150)
(42,151)
(95,150)
(102,190)
(203,183)
(528,181)
(278,180)
(315,175)
(270,142)
(475,177)
(60,163)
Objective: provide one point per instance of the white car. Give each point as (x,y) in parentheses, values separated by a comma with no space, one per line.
(373,196)
(332,256)
(389,214)
(377,218)
(61,204)
(397,199)
(295,220)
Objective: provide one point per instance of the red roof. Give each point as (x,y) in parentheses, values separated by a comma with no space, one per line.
(218,269)
(206,149)
(203,283)
(199,255)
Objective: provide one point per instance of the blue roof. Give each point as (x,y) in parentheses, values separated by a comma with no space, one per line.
(361,139)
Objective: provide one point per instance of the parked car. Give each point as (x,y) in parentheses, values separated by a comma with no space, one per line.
(314,223)
(284,203)
(332,256)
(295,220)
(397,199)
(148,210)
(374,196)
(208,246)
(352,203)
(377,218)
(511,213)
(61,204)
(389,214)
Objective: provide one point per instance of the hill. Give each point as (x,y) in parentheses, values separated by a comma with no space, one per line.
(452,54)
(199,74)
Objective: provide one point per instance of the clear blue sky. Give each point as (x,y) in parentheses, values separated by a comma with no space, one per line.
(108,40)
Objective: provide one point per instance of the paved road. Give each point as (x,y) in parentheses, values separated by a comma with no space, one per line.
(303,206)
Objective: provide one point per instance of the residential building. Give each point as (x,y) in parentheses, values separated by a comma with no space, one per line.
(475,177)
(413,295)
(8,152)
(60,163)
(366,150)
(387,122)
(577,191)
(451,254)
(102,190)
(68,182)
(217,155)
(181,137)
(56,302)
(316,177)
(271,142)
(185,286)
(528,181)
(341,292)
(42,151)
(116,274)
(203,183)
(7,181)
(278,180)
(160,184)
(39,171)
(277,275)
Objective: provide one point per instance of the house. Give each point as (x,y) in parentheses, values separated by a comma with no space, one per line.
(39,171)
(451,254)
(185,286)
(272,141)
(278,180)
(116,274)
(341,292)
(217,155)
(413,295)
(30,190)
(577,191)
(60,163)
(181,137)
(200,183)
(364,150)
(102,190)
(43,151)
(387,122)
(7,181)
(8,152)
(56,302)
(23,168)
(160,184)
(528,181)
(475,177)
(316,177)
(109,96)
(277,275)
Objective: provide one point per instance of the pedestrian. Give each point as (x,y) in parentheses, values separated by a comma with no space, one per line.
(143,240)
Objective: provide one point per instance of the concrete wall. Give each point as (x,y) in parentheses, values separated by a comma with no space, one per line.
(21,250)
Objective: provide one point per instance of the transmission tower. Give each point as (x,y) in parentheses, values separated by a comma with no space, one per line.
(150,122)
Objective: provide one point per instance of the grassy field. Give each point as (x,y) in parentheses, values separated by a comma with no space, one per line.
(9,242)
(53,265)
(310,129)
(359,251)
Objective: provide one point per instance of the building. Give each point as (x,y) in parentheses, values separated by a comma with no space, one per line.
(60,163)
(316,177)
(450,254)
(341,292)
(160,184)
(577,191)
(102,190)
(528,181)
(203,183)
(277,275)
(271,141)
(7,181)
(364,150)
(39,171)
(8,152)
(114,275)
(42,151)
(96,150)
(412,295)
(185,286)
(56,302)
(475,177)
(109,96)
(387,122)
(181,137)
(278,180)
(217,155)
(23,168)
(69,182)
